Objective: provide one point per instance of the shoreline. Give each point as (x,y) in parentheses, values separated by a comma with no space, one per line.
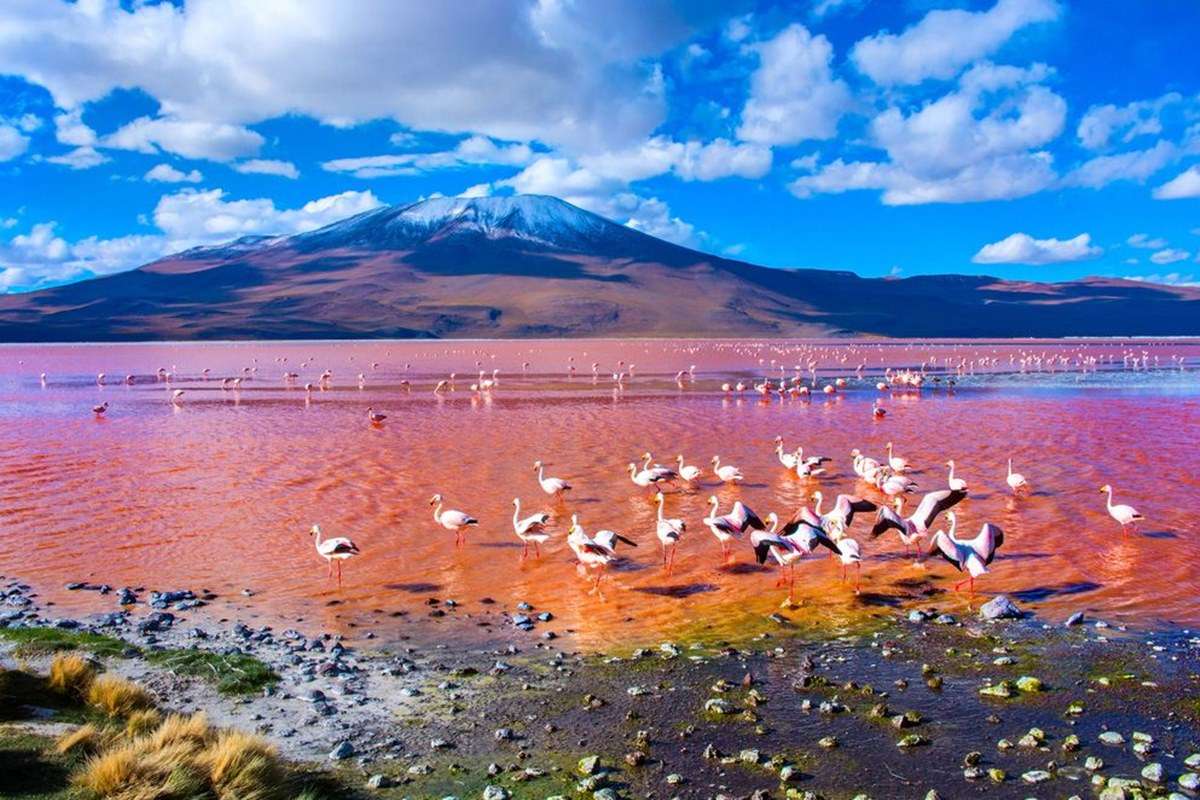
(844,715)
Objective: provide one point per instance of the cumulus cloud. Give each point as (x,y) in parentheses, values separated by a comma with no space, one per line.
(576,74)
(1169,278)
(1170,255)
(185,219)
(1185,184)
(793,93)
(1021,248)
(70,129)
(165,173)
(268,166)
(1100,124)
(187,138)
(12,142)
(946,40)
(692,160)
(979,142)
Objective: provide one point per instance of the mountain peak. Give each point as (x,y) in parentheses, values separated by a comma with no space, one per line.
(532,219)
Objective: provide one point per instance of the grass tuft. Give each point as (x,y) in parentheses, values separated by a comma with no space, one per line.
(86,740)
(71,675)
(242,766)
(143,722)
(117,697)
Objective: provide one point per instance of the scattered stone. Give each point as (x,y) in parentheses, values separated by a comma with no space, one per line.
(1154,772)
(1112,738)
(493,792)
(343,750)
(1002,689)
(380,782)
(589,765)
(1036,776)
(1028,683)
(912,740)
(1074,619)
(1000,607)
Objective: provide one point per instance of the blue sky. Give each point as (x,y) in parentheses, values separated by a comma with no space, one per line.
(1028,139)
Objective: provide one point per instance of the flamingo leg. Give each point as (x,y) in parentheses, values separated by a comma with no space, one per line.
(525,551)
(537,550)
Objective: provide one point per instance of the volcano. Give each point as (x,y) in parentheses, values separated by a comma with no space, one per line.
(535,266)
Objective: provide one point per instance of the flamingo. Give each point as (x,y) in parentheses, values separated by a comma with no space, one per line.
(838,519)
(1016,481)
(973,555)
(100,409)
(732,525)
(797,540)
(551,486)
(878,411)
(897,463)
(334,550)
(957,484)
(727,473)
(452,520)
(912,528)
(176,396)
(788,460)
(849,552)
(809,467)
(646,478)
(1124,514)
(374,417)
(595,552)
(531,529)
(688,472)
(669,531)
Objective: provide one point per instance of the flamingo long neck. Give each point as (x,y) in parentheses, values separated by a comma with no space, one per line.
(437,512)
(1109,503)
(818,498)
(660,508)
(516,512)
(317,528)
(541,472)
(715,505)
(646,463)
(1010,467)
(774,524)
(951,476)
(953,526)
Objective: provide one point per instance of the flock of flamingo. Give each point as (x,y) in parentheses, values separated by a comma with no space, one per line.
(784,542)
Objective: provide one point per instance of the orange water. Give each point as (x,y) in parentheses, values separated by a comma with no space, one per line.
(219,491)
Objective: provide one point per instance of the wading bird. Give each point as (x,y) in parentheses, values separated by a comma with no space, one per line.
(727,473)
(452,520)
(531,529)
(669,531)
(1124,514)
(100,409)
(334,551)
(970,555)
(374,417)
(957,484)
(1016,481)
(551,486)
(595,553)
(916,525)
(728,527)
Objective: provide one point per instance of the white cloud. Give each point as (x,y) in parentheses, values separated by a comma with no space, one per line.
(946,40)
(470,151)
(477,190)
(80,158)
(70,129)
(165,173)
(577,74)
(187,138)
(1021,248)
(1136,165)
(185,219)
(1101,123)
(1145,242)
(793,93)
(1185,184)
(1169,278)
(267,166)
(193,217)
(41,257)
(652,216)
(976,143)
(1171,255)
(12,142)
(690,161)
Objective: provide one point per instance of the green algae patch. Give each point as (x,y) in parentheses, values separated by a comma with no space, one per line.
(232,674)
(44,641)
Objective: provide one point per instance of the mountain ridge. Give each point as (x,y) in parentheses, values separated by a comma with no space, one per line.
(531,265)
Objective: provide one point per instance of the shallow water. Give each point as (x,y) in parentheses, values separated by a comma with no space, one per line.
(219,491)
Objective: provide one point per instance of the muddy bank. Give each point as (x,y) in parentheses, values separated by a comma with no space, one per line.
(902,704)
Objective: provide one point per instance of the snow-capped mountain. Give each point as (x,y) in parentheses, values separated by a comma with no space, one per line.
(537,266)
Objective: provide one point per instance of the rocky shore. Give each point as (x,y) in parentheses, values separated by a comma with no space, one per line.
(909,703)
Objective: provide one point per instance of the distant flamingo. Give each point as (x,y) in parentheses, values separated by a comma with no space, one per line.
(374,417)
(669,531)
(957,484)
(688,472)
(1016,481)
(727,473)
(551,486)
(100,409)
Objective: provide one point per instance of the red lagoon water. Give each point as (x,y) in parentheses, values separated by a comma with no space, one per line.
(219,490)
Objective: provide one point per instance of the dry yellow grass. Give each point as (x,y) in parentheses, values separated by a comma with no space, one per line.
(242,766)
(71,674)
(86,739)
(143,722)
(117,697)
(108,774)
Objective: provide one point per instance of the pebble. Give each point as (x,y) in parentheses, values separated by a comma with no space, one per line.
(342,751)
(1112,738)
(1000,607)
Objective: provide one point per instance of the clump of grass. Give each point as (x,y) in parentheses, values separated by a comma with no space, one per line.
(41,641)
(117,697)
(71,675)
(143,722)
(86,740)
(185,757)
(232,674)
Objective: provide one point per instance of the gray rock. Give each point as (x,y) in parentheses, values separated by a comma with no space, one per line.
(380,782)
(1074,619)
(493,792)
(1000,607)
(342,751)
